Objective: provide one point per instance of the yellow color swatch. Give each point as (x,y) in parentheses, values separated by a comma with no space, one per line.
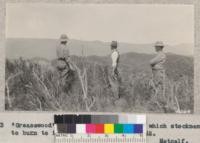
(108,128)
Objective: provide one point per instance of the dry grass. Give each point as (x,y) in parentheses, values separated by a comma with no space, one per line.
(32,86)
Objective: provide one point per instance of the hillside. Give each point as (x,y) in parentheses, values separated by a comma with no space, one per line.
(30,48)
(176,65)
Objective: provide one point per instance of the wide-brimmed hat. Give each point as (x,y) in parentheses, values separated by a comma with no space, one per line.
(159,44)
(64,38)
(113,44)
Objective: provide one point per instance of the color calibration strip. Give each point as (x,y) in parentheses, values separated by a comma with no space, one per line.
(100,128)
(99,124)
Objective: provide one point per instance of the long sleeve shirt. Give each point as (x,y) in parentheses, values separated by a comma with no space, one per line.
(63,52)
(115,58)
(157,63)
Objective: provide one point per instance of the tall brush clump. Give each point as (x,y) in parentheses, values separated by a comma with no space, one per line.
(31,87)
(102,88)
(140,91)
(177,96)
(94,83)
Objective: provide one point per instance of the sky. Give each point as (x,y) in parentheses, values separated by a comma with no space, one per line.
(132,23)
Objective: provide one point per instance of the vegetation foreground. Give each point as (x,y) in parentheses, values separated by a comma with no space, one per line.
(34,85)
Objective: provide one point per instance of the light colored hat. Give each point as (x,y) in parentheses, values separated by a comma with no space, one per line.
(64,38)
(159,44)
(113,44)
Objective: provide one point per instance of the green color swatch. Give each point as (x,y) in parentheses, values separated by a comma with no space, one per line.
(118,128)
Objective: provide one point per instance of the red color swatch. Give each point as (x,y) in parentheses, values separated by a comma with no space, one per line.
(99,128)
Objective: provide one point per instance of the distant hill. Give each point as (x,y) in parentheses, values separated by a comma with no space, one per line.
(132,63)
(30,48)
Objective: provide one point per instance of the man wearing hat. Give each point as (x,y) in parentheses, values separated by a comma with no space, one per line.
(157,62)
(115,60)
(63,56)
(158,70)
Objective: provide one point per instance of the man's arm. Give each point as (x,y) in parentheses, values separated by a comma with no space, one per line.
(157,59)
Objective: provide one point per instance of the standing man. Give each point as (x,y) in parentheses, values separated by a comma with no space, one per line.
(115,60)
(158,71)
(63,55)
(115,78)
